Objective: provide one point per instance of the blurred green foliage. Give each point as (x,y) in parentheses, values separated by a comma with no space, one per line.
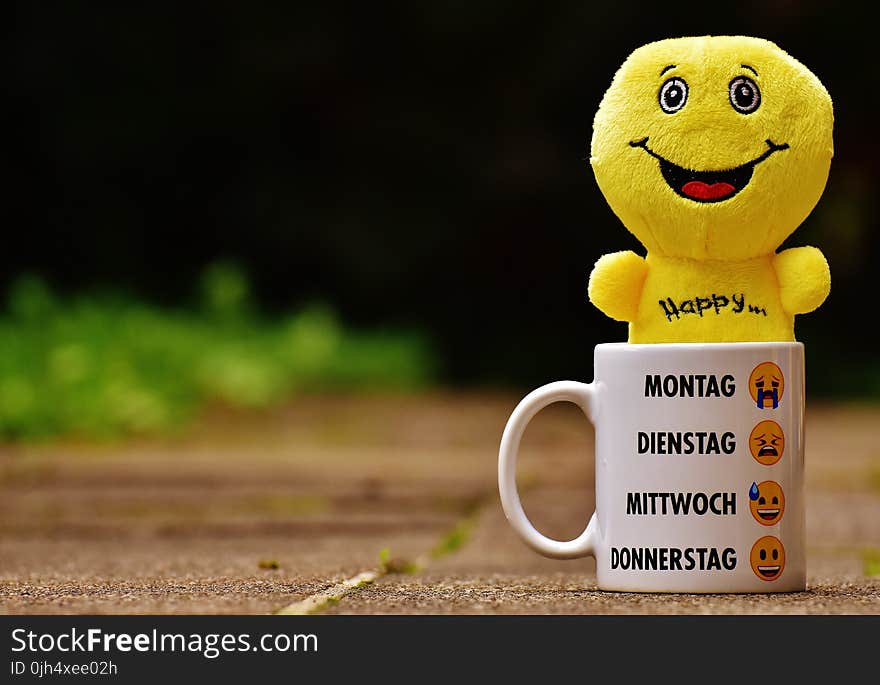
(108,365)
(421,164)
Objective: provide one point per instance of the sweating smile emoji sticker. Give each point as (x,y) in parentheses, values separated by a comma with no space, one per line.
(766,502)
(766,385)
(768,558)
(767,443)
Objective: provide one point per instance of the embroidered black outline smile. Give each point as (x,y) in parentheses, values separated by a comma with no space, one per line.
(738,177)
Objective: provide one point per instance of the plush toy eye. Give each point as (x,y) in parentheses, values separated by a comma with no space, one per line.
(744,95)
(673,95)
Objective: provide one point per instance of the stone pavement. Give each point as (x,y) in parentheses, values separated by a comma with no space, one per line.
(376,504)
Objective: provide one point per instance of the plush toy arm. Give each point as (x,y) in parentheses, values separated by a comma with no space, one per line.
(804,279)
(616,284)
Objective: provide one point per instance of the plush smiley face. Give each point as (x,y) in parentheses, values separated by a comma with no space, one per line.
(768,558)
(715,147)
(766,502)
(766,385)
(767,442)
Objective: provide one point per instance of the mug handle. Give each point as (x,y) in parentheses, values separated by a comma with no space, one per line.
(584,396)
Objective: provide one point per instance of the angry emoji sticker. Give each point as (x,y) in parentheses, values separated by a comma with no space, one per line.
(766,502)
(767,442)
(766,385)
(768,558)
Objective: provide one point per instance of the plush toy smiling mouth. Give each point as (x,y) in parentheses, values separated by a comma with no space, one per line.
(707,186)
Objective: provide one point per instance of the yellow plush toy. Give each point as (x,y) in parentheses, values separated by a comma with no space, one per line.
(712,151)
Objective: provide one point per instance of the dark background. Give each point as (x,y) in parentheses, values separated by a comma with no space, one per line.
(416,164)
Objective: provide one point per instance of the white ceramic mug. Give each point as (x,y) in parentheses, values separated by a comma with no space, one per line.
(699,467)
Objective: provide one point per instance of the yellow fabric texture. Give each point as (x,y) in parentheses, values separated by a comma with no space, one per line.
(711,185)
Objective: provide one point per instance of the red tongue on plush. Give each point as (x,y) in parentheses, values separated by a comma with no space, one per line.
(704,191)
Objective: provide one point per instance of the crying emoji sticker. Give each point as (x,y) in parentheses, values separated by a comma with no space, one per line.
(766,385)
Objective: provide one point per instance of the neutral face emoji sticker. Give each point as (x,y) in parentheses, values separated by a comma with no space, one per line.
(766,385)
(768,558)
(766,502)
(767,442)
